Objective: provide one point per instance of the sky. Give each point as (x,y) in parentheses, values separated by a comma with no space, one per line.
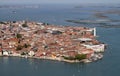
(56,1)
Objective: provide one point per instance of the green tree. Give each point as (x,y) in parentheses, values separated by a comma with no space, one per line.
(19,47)
(80,56)
(19,36)
(26,45)
(24,25)
(69,58)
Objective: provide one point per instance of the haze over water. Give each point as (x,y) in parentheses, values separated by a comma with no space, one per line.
(57,14)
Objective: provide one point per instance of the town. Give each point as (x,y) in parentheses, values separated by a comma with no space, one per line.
(45,41)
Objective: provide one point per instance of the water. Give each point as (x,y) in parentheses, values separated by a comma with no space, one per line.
(15,66)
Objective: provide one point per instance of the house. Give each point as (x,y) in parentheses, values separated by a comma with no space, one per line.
(12,42)
(70,54)
(31,53)
(5,53)
(88,52)
(96,48)
(0,51)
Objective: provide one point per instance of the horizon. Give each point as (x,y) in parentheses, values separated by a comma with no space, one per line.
(13,2)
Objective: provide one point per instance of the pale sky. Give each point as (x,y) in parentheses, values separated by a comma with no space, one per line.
(56,1)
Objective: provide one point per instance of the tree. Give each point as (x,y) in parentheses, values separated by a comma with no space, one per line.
(24,53)
(77,57)
(19,47)
(19,36)
(2,23)
(24,25)
(80,56)
(26,45)
(69,58)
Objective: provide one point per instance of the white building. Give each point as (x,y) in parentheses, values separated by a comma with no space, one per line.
(31,53)
(5,53)
(96,48)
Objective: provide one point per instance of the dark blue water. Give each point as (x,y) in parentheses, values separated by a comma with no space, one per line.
(108,66)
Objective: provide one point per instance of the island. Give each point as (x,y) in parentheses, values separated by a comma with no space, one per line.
(31,39)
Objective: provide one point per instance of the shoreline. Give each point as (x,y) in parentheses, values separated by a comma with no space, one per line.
(55,59)
(60,60)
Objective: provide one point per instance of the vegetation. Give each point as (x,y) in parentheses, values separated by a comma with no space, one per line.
(24,25)
(19,47)
(26,45)
(19,36)
(46,24)
(14,21)
(24,53)
(2,23)
(56,32)
(69,58)
(77,57)
(80,56)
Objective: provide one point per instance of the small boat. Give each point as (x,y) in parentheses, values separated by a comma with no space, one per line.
(13,11)
(87,61)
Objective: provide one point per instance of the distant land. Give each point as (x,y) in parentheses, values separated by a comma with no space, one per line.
(19,6)
(100,18)
(98,5)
